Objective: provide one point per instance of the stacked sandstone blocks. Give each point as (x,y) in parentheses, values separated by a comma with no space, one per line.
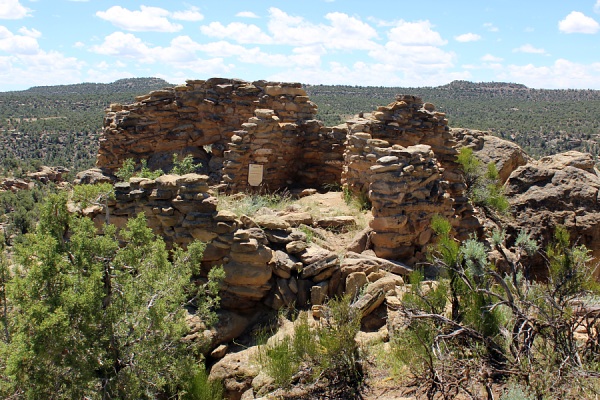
(266,141)
(406,190)
(197,118)
(404,123)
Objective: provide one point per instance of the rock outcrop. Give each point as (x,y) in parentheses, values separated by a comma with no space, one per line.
(47,174)
(507,156)
(562,189)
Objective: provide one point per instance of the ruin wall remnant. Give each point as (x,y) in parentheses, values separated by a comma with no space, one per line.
(200,118)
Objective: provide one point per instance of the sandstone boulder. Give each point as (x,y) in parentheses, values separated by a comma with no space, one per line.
(507,156)
(562,189)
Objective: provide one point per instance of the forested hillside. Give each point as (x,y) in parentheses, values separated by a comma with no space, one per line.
(59,125)
(541,121)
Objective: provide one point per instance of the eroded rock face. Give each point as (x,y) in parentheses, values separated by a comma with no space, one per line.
(507,156)
(562,189)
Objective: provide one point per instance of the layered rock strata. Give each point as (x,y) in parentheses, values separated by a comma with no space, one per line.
(563,189)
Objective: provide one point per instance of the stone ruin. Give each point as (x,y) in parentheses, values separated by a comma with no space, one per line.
(263,136)
(227,124)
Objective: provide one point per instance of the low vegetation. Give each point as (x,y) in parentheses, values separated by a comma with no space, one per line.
(99,316)
(325,359)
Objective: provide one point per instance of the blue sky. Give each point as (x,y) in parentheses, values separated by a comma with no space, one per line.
(542,44)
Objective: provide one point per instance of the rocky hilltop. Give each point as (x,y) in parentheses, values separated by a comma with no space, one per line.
(262,136)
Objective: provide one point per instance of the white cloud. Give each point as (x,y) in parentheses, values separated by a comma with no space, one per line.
(342,33)
(13,9)
(17,44)
(491,58)
(597,6)
(41,68)
(33,33)
(246,14)
(562,74)
(192,15)
(238,31)
(416,33)
(181,54)
(368,74)
(414,45)
(577,22)
(528,48)
(490,27)
(467,37)
(79,45)
(146,19)
(126,45)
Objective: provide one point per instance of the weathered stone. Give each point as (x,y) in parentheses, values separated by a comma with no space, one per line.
(271,222)
(318,293)
(296,246)
(354,282)
(238,274)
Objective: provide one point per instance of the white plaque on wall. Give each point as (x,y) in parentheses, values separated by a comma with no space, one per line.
(255,174)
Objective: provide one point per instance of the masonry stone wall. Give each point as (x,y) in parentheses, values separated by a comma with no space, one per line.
(407,122)
(197,118)
(266,259)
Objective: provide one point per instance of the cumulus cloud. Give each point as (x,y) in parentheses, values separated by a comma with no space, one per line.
(153,19)
(246,14)
(13,9)
(17,44)
(181,53)
(39,68)
(415,46)
(125,45)
(34,33)
(562,74)
(192,15)
(528,48)
(597,6)
(467,37)
(237,31)
(577,22)
(491,58)
(419,33)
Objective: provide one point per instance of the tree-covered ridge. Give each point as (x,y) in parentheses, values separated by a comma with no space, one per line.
(541,121)
(59,125)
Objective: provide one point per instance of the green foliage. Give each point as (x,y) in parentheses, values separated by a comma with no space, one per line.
(361,200)
(200,388)
(98,194)
(327,355)
(60,125)
(185,165)
(126,171)
(509,327)
(483,187)
(515,391)
(129,170)
(251,204)
(146,172)
(100,316)
(541,121)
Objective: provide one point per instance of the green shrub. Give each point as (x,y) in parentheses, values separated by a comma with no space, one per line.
(185,165)
(327,355)
(200,387)
(483,186)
